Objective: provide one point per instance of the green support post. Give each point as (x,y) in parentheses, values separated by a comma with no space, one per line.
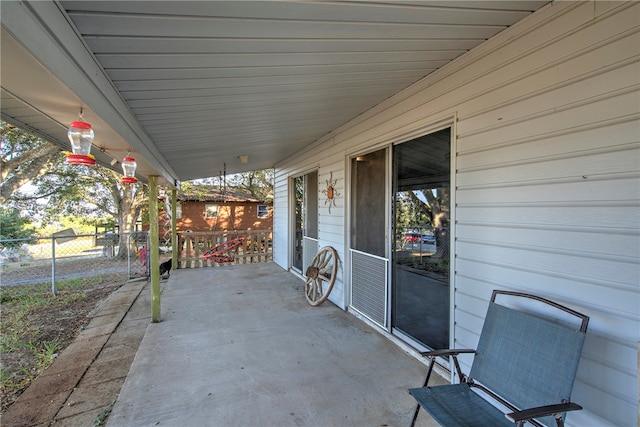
(174,234)
(154,248)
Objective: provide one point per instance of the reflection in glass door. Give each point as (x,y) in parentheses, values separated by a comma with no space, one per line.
(420,289)
(305,214)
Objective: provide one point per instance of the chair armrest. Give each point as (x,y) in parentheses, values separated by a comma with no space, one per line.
(542,411)
(446,352)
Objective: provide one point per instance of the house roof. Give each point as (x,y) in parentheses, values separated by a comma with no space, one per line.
(189,88)
(210,193)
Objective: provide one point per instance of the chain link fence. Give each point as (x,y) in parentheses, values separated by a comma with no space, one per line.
(138,249)
(66,254)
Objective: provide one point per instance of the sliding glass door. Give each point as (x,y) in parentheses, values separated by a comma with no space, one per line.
(420,264)
(305,224)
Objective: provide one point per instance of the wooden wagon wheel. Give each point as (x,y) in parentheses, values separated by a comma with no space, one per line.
(323,268)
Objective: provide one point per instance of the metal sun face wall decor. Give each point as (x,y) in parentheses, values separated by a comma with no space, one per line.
(331,192)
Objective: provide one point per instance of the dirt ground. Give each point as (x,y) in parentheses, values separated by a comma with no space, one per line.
(58,321)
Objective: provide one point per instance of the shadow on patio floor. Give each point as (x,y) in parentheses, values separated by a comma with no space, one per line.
(239,346)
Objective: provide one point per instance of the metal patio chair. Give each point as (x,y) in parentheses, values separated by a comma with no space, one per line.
(525,361)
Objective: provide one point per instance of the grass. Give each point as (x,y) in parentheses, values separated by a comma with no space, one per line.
(47,354)
(79,247)
(19,303)
(103,415)
(425,263)
(32,297)
(20,333)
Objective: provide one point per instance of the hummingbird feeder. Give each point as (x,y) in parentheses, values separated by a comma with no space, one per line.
(129,166)
(81,137)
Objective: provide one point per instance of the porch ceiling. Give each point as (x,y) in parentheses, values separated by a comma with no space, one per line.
(190,86)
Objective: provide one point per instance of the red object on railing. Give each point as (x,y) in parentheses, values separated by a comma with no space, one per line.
(217,253)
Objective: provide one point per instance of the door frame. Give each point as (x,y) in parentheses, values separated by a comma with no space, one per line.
(403,335)
(349,226)
(388,141)
(292,217)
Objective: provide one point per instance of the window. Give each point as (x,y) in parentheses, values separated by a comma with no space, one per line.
(368,201)
(305,214)
(263,211)
(210,211)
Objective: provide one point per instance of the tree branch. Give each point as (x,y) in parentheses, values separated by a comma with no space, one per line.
(43,153)
(35,196)
(24,172)
(101,206)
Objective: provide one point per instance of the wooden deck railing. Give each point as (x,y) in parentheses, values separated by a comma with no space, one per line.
(256,248)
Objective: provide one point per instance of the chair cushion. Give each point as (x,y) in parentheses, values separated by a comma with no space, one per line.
(456,405)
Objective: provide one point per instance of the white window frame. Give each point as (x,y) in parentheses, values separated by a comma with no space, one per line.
(211,206)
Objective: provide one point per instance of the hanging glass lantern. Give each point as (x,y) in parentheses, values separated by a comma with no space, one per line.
(81,137)
(129,166)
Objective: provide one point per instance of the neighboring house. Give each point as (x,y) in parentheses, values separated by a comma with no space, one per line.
(211,209)
(530,147)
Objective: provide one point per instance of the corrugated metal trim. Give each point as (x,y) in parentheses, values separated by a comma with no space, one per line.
(309,250)
(369,286)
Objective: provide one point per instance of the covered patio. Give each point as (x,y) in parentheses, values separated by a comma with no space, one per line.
(239,346)
(528,114)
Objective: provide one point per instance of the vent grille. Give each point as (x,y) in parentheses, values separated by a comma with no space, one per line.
(309,250)
(369,286)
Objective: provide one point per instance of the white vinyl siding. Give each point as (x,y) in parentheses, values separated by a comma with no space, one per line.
(548,195)
(547,142)
(281,211)
(331,226)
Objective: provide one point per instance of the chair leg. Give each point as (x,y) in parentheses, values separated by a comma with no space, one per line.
(415,416)
(426,383)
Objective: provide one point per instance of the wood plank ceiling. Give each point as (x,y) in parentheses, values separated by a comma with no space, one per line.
(211,80)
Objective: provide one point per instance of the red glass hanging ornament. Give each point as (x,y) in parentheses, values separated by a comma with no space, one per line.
(129,166)
(81,137)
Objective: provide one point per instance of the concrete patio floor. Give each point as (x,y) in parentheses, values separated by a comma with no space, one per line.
(239,346)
